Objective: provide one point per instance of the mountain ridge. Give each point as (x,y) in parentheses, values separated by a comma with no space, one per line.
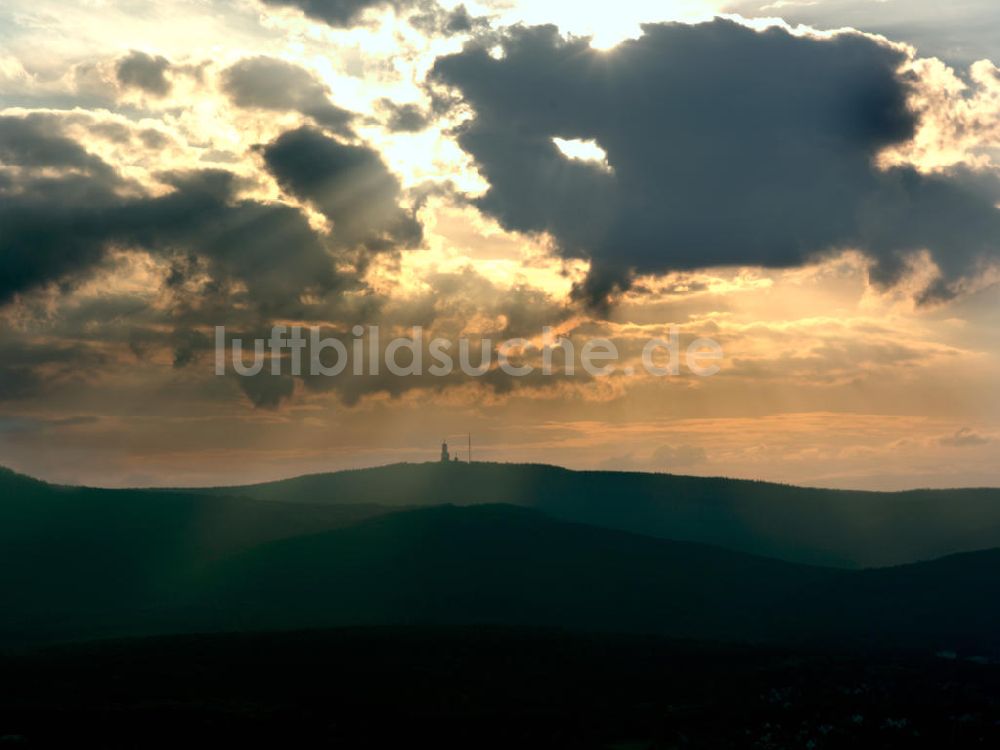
(89,563)
(494,564)
(842,528)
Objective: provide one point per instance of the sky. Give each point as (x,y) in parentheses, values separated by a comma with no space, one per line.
(811,185)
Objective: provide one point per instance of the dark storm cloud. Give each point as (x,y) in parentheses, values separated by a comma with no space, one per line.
(349,184)
(339,13)
(269,83)
(352,389)
(154,139)
(187,344)
(403,118)
(36,140)
(111,131)
(460,296)
(233,261)
(269,247)
(431,18)
(59,226)
(443,311)
(267,391)
(49,226)
(727,146)
(29,368)
(146,72)
(17,382)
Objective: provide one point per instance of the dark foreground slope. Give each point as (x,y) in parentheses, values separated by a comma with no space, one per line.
(488,688)
(953,602)
(816,526)
(72,559)
(92,563)
(504,564)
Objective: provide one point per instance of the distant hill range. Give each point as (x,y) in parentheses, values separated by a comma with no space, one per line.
(817,526)
(80,563)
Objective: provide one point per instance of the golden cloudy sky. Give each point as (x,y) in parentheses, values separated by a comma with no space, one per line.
(812,185)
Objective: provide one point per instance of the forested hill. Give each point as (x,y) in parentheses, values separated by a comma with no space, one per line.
(817,526)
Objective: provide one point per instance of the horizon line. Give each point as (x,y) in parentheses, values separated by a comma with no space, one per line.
(467,465)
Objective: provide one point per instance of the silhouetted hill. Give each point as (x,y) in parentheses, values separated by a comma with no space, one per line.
(503,564)
(71,555)
(508,565)
(78,562)
(952,603)
(817,526)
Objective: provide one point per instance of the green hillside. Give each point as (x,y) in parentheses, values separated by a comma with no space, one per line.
(952,603)
(503,564)
(73,555)
(86,563)
(816,526)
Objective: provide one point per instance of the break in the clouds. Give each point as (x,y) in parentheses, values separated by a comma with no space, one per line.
(725,146)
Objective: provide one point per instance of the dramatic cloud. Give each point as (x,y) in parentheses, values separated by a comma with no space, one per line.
(142,71)
(404,118)
(267,391)
(444,310)
(349,184)
(29,368)
(966,32)
(339,13)
(51,225)
(429,17)
(57,225)
(433,19)
(36,140)
(726,146)
(221,258)
(268,83)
